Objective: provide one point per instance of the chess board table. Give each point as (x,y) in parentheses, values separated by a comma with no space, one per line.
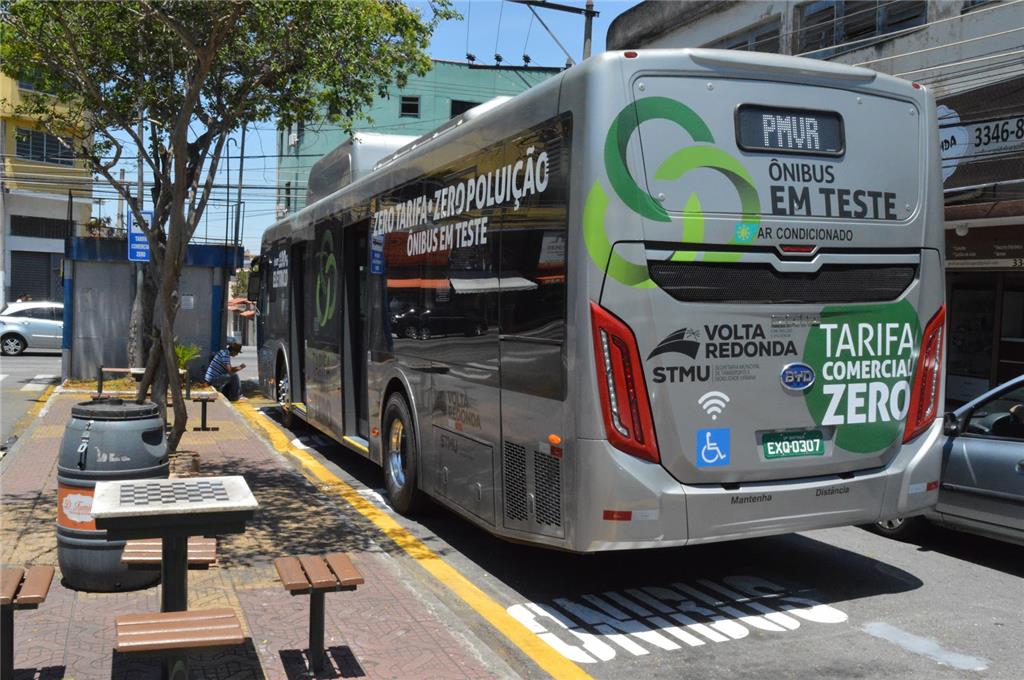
(173,510)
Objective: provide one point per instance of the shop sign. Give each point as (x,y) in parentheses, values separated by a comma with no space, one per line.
(986,248)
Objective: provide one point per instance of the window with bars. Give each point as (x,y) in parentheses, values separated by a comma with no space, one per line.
(845,25)
(409,107)
(40,227)
(43,147)
(974,4)
(761,38)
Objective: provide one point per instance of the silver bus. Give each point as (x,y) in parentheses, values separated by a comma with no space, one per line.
(665,298)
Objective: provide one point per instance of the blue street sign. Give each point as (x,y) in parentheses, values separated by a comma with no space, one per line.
(138,246)
(377,254)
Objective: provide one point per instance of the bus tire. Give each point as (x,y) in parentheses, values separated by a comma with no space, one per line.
(401,457)
(282,389)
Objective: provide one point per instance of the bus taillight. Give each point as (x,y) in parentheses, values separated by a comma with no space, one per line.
(924,393)
(620,380)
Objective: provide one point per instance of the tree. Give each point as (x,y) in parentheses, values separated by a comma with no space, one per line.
(195,71)
(241,285)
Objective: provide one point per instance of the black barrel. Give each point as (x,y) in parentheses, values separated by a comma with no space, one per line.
(107,439)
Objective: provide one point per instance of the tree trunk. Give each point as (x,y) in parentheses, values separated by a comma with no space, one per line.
(153,365)
(169,311)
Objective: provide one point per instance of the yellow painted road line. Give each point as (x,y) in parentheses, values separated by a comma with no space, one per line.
(33,412)
(543,655)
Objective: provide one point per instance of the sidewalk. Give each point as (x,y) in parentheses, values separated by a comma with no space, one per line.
(384,629)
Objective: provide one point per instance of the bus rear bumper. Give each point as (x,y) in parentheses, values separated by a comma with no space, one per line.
(634,504)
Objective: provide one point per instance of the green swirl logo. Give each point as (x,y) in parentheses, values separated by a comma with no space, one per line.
(674,167)
(326,280)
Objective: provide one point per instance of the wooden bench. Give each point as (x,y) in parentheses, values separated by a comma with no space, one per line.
(148,552)
(168,631)
(317,576)
(204,399)
(173,633)
(103,370)
(19,589)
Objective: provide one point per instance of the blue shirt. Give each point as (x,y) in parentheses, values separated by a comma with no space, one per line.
(220,366)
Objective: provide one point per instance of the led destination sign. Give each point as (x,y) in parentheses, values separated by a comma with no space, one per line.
(774,130)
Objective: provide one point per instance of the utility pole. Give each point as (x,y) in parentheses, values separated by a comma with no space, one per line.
(588,13)
(238,201)
(120,205)
(588,26)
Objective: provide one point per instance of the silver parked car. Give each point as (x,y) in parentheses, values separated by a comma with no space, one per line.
(39,325)
(982,488)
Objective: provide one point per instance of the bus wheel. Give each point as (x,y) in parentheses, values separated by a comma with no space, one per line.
(284,398)
(400,457)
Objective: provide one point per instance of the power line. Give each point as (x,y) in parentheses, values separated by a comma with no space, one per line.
(944,46)
(958,63)
(911,29)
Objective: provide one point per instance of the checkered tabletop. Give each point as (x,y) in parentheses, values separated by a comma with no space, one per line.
(141,497)
(187,491)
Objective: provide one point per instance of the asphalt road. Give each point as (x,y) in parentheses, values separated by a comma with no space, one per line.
(22,379)
(836,603)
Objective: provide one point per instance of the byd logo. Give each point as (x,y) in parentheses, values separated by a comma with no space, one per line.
(797,377)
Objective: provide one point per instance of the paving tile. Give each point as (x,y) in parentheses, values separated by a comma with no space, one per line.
(381,630)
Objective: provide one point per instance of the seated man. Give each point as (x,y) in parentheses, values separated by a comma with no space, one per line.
(222,375)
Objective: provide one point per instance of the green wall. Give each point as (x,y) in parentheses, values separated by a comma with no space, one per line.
(447,81)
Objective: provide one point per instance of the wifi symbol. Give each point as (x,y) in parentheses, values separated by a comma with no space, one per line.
(713,403)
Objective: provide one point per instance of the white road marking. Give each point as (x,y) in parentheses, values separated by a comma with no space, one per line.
(2,376)
(925,647)
(591,628)
(39,383)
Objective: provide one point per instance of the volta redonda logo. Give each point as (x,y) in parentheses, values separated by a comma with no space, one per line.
(326,280)
(701,154)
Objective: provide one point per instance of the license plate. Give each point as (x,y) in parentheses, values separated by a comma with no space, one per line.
(792,444)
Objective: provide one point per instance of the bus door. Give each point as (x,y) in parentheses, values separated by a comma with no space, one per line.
(356,258)
(324,378)
(296,340)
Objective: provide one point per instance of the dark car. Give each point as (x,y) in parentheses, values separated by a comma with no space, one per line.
(432,323)
(982,486)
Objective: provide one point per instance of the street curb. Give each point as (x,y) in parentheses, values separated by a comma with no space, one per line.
(28,418)
(491,611)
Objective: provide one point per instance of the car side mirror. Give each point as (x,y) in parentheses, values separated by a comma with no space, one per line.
(951,424)
(253,289)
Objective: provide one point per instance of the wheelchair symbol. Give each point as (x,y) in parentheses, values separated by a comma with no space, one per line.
(713,447)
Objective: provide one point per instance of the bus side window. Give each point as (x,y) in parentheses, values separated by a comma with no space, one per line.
(533,283)
(533,312)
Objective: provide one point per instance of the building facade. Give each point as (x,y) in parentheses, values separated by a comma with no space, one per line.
(968,54)
(45,198)
(449,89)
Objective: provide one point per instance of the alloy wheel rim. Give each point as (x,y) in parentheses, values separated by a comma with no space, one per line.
(12,345)
(892,524)
(396,451)
(282,391)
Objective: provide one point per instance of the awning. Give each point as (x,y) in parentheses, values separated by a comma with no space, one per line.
(417,283)
(491,285)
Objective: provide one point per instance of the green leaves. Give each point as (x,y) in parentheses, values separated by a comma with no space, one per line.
(286,59)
